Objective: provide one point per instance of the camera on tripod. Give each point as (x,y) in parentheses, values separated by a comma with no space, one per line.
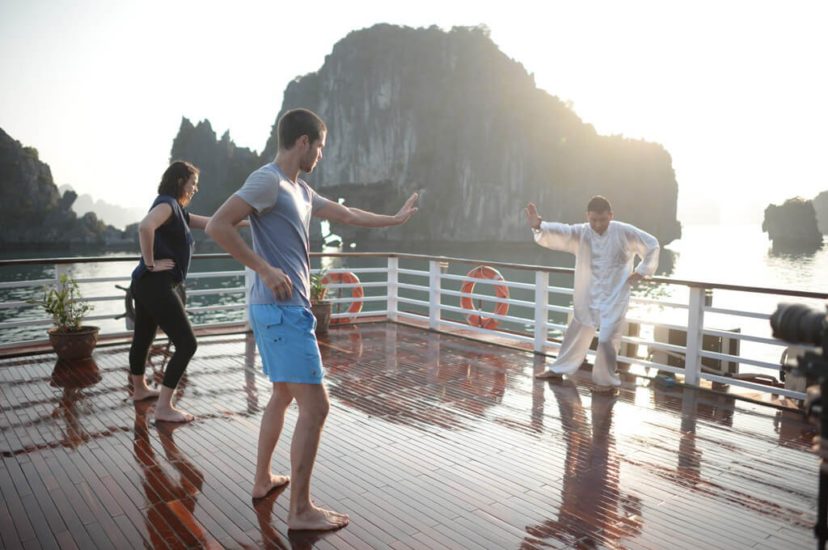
(799,324)
(802,324)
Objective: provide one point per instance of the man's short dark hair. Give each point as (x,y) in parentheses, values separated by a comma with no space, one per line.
(297,123)
(175,177)
(599,204)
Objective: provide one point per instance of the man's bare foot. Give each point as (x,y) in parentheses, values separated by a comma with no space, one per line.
(172,415)
(261,489)
(139,394)
(548,374)
(317,519)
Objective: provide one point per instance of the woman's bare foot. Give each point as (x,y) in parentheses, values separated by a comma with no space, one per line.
(262,488)
(140,390)
(317,519)
(139,394)
(171,414)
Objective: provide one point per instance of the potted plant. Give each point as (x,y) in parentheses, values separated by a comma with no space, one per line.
(320,307)
(69,338)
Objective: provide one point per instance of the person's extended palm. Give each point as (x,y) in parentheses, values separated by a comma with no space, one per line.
(532,216)
(407,209)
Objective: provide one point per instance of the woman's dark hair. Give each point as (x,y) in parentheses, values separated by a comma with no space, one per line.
(174,178)
(297,123)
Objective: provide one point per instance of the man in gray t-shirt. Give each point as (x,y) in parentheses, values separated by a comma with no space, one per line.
(279,206)
(280,225)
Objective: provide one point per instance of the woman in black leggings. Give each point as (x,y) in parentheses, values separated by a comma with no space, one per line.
(166,249)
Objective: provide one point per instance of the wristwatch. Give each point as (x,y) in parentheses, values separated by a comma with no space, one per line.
(151,267)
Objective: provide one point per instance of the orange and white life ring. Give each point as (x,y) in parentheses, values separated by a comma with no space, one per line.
(501,291)
(357,292)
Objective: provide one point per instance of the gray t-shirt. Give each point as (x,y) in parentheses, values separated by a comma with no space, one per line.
(280,225)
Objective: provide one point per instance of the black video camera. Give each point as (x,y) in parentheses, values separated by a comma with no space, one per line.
(801,324)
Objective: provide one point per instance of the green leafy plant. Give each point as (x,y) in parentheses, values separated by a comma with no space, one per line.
(65,304)
(318,289)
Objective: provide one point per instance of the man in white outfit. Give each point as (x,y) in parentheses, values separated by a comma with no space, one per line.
(604,251)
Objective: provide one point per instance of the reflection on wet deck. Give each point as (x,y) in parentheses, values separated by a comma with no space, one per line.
(433,441)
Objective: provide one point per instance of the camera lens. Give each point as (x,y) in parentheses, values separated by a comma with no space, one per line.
(798,323)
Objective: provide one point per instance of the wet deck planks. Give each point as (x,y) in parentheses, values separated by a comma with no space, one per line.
(432,441)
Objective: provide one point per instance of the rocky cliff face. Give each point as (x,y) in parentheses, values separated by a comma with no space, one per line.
(793,225)
(821,209)
(449,115)
(224,167)
(33,210)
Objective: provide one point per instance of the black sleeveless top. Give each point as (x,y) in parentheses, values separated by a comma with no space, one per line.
(173,241)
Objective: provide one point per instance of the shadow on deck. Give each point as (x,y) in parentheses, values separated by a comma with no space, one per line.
(432,441)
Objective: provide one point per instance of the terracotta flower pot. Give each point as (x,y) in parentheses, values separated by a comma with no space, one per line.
(322,312)
(76,344)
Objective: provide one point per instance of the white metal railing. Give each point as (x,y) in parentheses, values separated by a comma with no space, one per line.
(437,297)
(34,288)
(423,291)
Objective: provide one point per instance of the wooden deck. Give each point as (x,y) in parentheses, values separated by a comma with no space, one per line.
(433,441)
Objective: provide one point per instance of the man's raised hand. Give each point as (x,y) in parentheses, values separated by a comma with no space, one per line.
(532,216)
(407,209)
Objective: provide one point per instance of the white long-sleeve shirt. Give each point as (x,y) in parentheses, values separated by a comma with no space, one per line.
(603,263)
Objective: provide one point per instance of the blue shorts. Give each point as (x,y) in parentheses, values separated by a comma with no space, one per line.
(287,343)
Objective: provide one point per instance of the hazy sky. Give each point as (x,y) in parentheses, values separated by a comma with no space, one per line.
(735,90)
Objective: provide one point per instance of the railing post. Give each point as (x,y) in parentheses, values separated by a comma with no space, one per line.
(541,309)
(695,329)
(434,294)
(249,278)
(393,289)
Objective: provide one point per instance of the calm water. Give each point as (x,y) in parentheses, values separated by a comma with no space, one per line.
(725,254)
(742,255)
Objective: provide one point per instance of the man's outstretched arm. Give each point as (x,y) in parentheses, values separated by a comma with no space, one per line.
(557,236)
(339,213)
